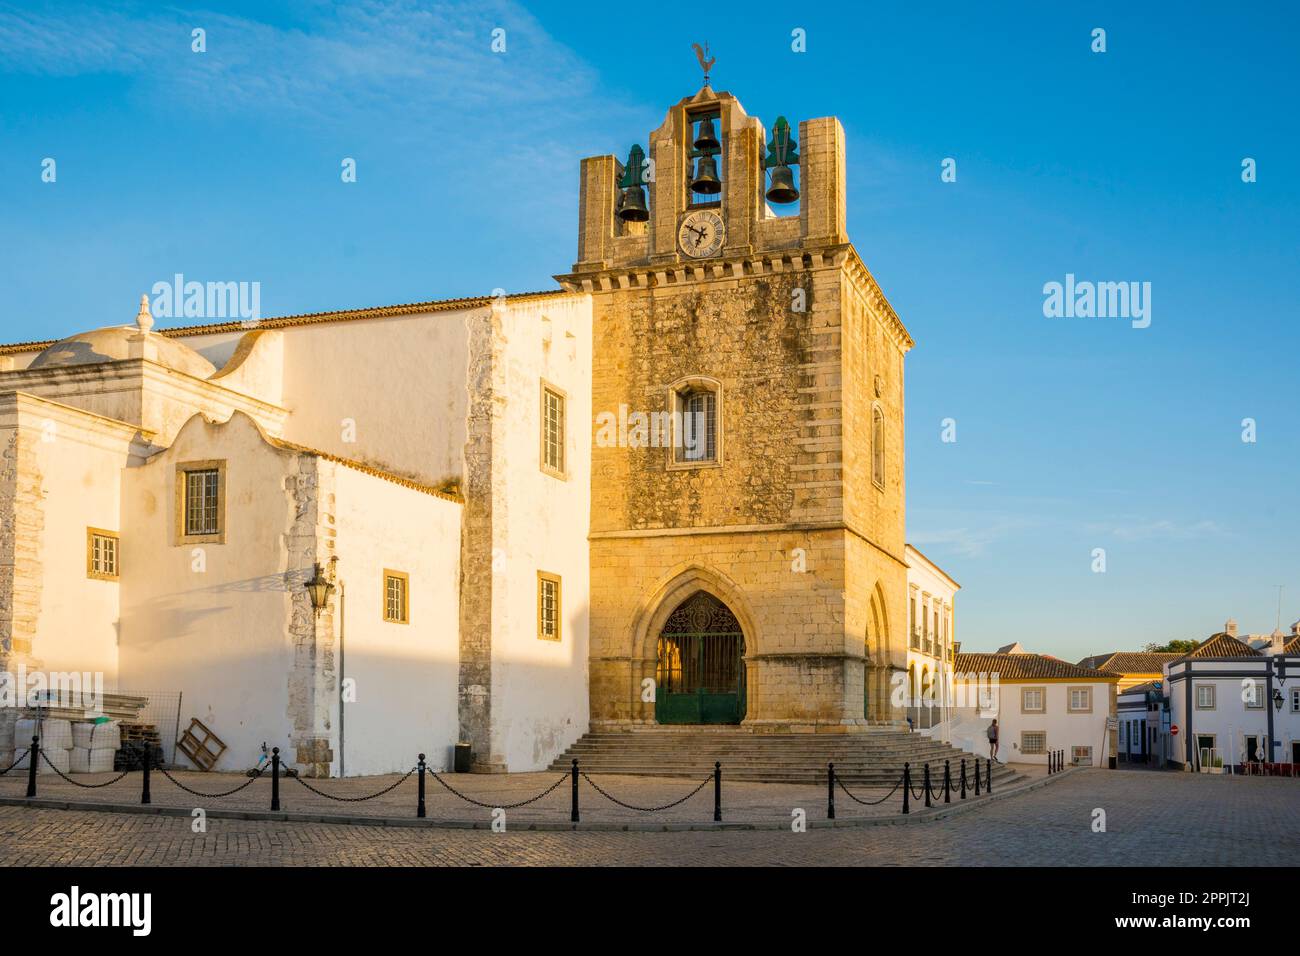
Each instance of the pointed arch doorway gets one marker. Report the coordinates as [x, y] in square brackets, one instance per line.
[700, 672]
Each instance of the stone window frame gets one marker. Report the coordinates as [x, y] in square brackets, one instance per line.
[543, 579]
[391, 575]
[1196, 696]
[878, 475]
[562, 472]
[1075, 760]
[1069, 699]
[1040, 749]
[679, 390]
[91, 571]
[1042, 696]
[183, 469]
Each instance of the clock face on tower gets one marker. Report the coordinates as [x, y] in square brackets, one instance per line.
[701, 234]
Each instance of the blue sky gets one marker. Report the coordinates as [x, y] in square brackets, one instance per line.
[1072, 433]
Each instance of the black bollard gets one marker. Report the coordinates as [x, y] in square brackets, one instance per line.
[927, 784]
[275, 778]
[830, 791]
[33, 755]
[145, 796]
[977, 776]
[947, 781]
[963, 778]
[573, 813]
[988, 782]
[717, 791]
[907, 788]
[419, 806]
[1051, 757]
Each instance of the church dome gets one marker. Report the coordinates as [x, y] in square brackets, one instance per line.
[113, 344]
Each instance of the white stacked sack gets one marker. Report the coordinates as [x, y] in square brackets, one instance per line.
[56, 741]
[94, 746]
[86, 760]
[92, 736]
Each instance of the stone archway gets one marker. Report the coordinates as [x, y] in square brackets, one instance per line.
[700, 664]
[876, 670]
[652, 615]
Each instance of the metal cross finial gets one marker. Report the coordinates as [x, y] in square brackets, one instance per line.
[706, 61]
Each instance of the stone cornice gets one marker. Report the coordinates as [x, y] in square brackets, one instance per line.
[866, 282]
[608, 278]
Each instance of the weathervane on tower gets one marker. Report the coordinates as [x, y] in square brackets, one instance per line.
[706, 61]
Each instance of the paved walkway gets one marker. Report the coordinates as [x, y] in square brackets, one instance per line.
[743, 802]
[1168, 819]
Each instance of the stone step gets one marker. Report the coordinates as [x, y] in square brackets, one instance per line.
[872, 759]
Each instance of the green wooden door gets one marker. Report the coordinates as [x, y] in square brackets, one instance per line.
[701, 668]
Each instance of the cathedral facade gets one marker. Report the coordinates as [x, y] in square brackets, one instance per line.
[669, 492]
[792, 515]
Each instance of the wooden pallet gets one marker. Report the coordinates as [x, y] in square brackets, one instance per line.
[201, 745]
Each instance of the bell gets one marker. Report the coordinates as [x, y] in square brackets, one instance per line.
[706, 176]
[633, 207]
[707, 140]
[782, 189]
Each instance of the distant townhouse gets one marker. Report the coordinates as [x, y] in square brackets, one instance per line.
[1041, 704]
[1133, 667]
[1234, 704]
[1144, 723]
[931, 646]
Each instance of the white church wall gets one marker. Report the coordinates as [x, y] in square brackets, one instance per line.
[540, 702]
[79, 460]
[389, 391]
[404, 675]
[211, 621]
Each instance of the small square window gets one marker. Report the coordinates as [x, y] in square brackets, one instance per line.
[1032, 700]
[397, 606]
[1033, 742]
[200, 502]
[101, 554]
[1081, 756]
[548, 606]
[1252, 693]
[1080, 700]
[695, 415]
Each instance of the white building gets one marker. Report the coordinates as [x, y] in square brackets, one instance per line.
[1232, 702]
[1041, 704]
[931, 629]
[165, 499]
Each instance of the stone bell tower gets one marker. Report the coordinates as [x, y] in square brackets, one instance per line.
[747, 493]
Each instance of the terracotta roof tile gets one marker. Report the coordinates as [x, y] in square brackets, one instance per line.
[1131, 662]
[1020, 667]
[1222, 645]
[368, 469]
[313, 318]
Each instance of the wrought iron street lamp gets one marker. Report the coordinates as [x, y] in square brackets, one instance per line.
[319, 589]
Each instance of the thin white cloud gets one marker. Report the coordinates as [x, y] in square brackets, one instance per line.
[407, 58]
